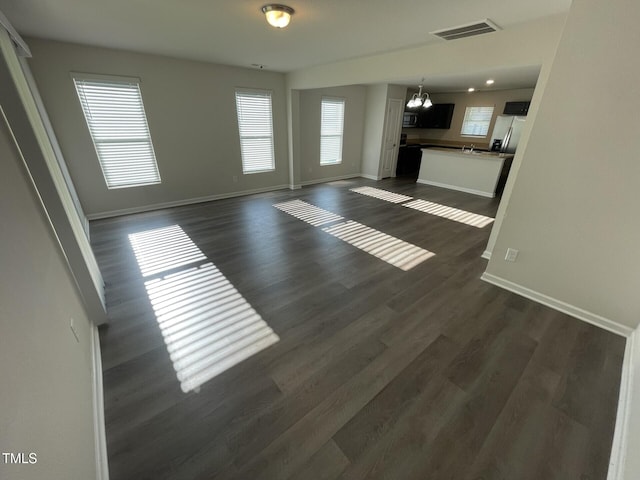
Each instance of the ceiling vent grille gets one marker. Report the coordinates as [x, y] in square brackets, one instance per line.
[468, 30]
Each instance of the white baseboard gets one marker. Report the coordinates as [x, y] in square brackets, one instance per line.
[456, 187]
[330, 179]
[370, 177]
[486, 254]
[621, 433]
[179, 203]
[100, 437]
[559, 305]
[295, 187]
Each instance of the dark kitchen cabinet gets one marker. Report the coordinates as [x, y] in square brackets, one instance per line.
[516, 108]
[409, 159]
[438, 116]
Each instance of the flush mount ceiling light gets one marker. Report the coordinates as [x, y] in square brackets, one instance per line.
[420, 99]
[278, 15]
[490, 82]
[471, 89]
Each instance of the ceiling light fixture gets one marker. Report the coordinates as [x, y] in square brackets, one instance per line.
[471, 89]
[420, 99]
[490, 82]
[278, 15]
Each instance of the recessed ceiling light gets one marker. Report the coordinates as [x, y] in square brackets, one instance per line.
[471, 89]
[490, 82]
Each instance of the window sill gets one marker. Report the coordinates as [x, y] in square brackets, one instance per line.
[259, 171]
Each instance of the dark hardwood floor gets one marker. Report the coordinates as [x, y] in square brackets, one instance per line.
[382, 373]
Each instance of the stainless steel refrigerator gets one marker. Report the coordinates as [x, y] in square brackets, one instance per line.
[506, 133]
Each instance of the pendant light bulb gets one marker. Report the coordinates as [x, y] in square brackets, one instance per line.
[420, 99]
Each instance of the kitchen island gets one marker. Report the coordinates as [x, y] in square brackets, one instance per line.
[477, 172]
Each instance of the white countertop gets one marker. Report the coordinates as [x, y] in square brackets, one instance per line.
[459, 152]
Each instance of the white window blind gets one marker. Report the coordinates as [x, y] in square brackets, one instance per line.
[255, 125]
[331, 129]
[476, 121]
[115, 116]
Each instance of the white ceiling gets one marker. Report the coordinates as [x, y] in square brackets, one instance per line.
[234, 32]
[505, 79]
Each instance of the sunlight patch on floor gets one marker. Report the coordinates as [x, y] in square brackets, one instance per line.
[392, 250]
[163, 249]
[381, 194]
[450, 213]
[307, 212]
[207, 325]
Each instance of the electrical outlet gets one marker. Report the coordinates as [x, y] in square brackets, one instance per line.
[235, 178]
[511, 255]
[73, 329]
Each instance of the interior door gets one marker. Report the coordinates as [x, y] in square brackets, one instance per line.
[391, 137]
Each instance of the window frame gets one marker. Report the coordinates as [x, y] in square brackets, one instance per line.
[334, 100]
[239, 91]
[468, 112]
[109, 166]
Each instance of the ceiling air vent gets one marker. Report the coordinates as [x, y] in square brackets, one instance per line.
[468, 30]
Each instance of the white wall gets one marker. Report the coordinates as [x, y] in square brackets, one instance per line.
[191, 113]
[543, 77]
[524, 45]
[574, 206]
[374, 127]
[375, 117]
[462, 100]
[46, 393]
[309, 125]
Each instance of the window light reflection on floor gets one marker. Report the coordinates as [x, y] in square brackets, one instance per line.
[163, 249]
[382, 194]
[207, 325]
[308, 213]
[455, 214]
[392, 250]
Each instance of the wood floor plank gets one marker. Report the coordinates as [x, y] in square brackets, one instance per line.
[512, 448]
[587, 360]
[381, 413]
[377, 373]
[458, 443]
[327, 464]
[396, 450]
[292, 448]
[314, 354]
[252, 436]
[565, 448]
[166, 439]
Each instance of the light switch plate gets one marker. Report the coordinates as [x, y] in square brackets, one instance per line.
[511, 255]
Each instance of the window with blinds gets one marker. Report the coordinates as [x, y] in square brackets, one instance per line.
[331, 129]
[255, 126]
[476, 121]
[118, 126]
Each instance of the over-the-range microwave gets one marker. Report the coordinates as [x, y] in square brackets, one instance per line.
[410, 119]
